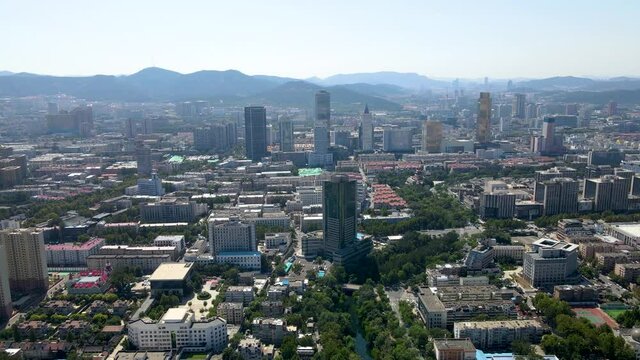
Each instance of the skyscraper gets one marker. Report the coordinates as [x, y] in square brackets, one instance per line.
[5, 292]
[483, 125]
[366, 130]
[130, 128]
[26, 259]
[339, 214]
[552, 142]
[147, 125]
[255, 130]
[322, 108]
[322, 122]
[612, 108]
[519, 106]
[143, 159]
[432, 136]
[286, 134]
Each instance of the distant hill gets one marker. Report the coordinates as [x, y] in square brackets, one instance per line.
[151, 84]
[557, 83]
[5, 73]
[300, 94]
[627, 97]
[405, 80]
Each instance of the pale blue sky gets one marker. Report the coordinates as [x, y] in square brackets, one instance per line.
[303, 38]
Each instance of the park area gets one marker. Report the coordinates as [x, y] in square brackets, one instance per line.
[596, 316]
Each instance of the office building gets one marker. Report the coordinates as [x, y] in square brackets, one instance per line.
[320, 139]
[552, 143]
[365, 131]
[130, 128]
[340, 221]
[5, 293]
[322, 109]
[443, 306]
[231, 235]
[432, 136]
[605, 157]
[179, 330]
[143, 160]
[550, 263]
[150, 187]
[612, 108]
[286, 134]
[497, 205]
[610, 192]
[558, 196]
[488, 335]
[483, 123]
[397, 139]
[255, 132]
[26, 259]
[519, 105]
[171, 210]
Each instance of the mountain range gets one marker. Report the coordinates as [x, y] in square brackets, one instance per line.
[381, 90]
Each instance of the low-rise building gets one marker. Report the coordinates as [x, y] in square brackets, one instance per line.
[239, 294]
[607, 261]
[170, 240]
[72, 255]
[442, 307]
[178, 330]
[73, 327]
[499, 334]
[272, 308]
[146, 263]
[576, 294]
[250, 349]
[232, 312]
[629, 272]
[248, 260]
[170, 278]
[271, 330]
[454, 349]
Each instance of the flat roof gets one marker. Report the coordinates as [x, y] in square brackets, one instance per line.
[74, 246]
[632, 230]
[174, 315]
[171, 271]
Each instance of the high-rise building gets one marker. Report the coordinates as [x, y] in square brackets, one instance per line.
[255, 130]
[218, 137]
[501, 205]
[397, 139]
[519, 106]
[5, 292]
[26, 259]
[549, 143]
[320, 140]
[52, 108]
[483, 124]
[339, 221]
[143, 160]
[571, 109]
[130, 130]
[612, 108]
[147, 125]
[322, 109]
[78, 121]
[558, 195]
[366, 130]
[432, 136]
[286, 134]
[531, 111]
[610, 192]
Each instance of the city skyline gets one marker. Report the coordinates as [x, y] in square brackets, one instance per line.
[433, 39]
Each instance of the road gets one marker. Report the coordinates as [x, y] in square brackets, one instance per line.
[616, 289]
[144, 307]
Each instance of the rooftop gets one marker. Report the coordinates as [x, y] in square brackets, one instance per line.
[73, 246]
[171, 271]
[630, 229]
[175, 315]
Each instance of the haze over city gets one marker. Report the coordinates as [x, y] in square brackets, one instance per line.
[301, 39]
[304, 180]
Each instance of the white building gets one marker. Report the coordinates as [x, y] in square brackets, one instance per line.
[249, 260]
[170, 240]
[150, 187]
[179, 326]
[499, 334]
[231, 235]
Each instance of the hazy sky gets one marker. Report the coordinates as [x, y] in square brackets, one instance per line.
[300, 38]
